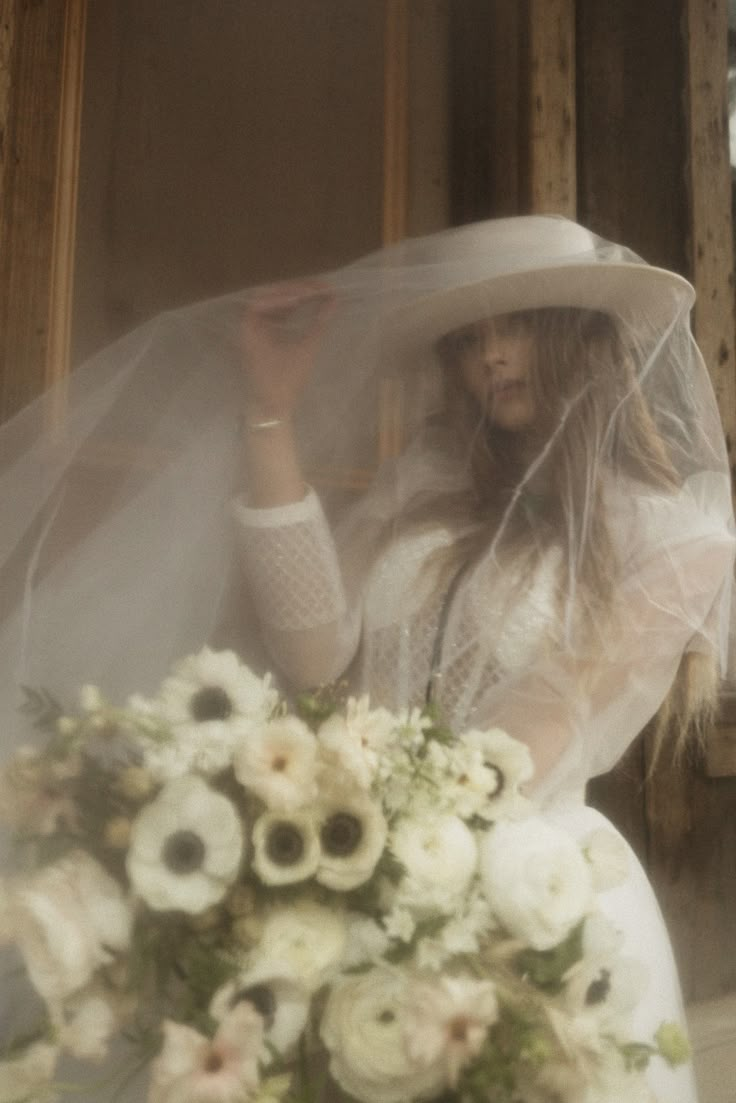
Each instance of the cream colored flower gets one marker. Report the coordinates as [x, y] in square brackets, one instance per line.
[280, 999]
[536, 879]
[308, 938]
[363, 1028]
[194, 1069]
[605, 984]
[209, 704]
[285, 847]
[90, 1022]
[186, 847]
[501, 766]
[28, 1076]
[352, 835]
[353, 743]
[609, 858]
[278, 762]
[440, 856]
[447, 1021]
[67, 919]
[367, 941]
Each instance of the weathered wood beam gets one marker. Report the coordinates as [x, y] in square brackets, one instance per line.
[551, 178]
[38, 58]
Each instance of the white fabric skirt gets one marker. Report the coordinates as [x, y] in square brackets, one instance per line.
[633, 909]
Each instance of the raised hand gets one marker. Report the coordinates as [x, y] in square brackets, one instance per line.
[282, 332]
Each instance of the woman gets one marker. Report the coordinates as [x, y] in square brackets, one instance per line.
[549, 550]
[549, 554]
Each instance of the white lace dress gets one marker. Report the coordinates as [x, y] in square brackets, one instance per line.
[320, 615]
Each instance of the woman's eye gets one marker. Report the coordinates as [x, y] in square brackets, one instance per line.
[467, 340]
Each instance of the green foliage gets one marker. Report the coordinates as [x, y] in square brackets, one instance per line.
[516, 1042]
[42, 708]
[547, 968]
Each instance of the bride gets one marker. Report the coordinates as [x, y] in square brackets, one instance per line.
[549, 552]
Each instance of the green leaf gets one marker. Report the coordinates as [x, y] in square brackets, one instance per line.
[546, 968]
[41, 707]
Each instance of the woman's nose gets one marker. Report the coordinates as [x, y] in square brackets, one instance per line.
[493, 351]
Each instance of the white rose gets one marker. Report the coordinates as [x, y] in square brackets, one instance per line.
[440, 856]
[306, 938]
[67, 920]
[536, 879]
[363, 1028]
[186, 847]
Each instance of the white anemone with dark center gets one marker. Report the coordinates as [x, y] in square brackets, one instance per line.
[285, 847]
[278, 996]
[352, 835]
[209, 705]
[186, 847]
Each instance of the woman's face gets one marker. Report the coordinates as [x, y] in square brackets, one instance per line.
[495, 359]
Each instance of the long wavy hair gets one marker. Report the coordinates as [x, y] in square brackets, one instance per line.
[542, 486]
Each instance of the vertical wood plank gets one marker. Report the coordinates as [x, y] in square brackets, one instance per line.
[33, 46]
[630, 76]
[630, 126]
[709, 189]
[692, 816]
[487, 135]
[551, 146]
[428, 112]
[396, 121]
[65, 205]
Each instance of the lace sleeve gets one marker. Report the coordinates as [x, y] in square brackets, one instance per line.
[292, 569]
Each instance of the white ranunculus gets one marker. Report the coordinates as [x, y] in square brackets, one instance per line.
[308, 938]
[209, 704]
[285, 847]
[194, 1069]
[68, 919]
[609, 858]
[501, 766]
[278, 762]
[354, 741]
[186, 847]
[27, 1075]
[440, 856]
[352, 834]
[277, 995]
[447, 1021]
[536, 879]
[363, 1028]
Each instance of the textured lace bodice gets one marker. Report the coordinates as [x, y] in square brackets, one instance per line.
[505, 658]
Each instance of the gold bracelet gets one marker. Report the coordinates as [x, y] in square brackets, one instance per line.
[270, 423]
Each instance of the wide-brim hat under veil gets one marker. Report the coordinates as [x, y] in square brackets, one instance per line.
[531, 263]
[117, 543]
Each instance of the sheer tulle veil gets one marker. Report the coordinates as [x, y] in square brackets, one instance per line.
[117, 551]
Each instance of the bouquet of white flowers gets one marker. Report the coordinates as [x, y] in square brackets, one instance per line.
[259, 898]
